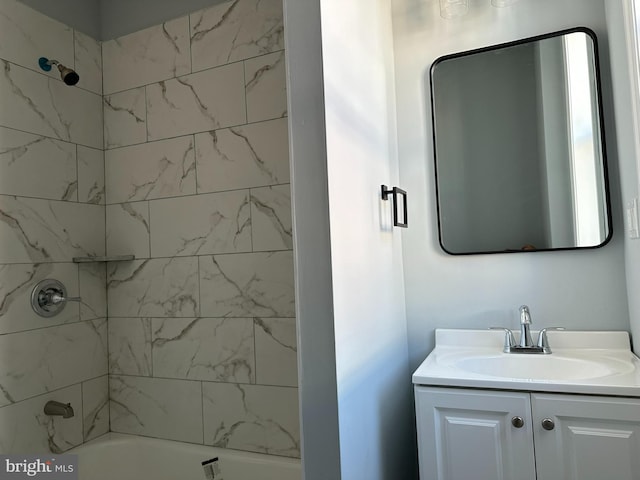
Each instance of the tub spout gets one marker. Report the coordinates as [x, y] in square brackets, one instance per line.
[64, 410]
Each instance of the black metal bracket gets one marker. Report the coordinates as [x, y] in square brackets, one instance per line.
[395, 191]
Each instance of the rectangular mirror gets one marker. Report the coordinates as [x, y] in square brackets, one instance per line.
[519, 146]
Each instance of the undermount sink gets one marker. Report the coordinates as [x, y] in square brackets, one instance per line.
[580, 362]
[544, 367]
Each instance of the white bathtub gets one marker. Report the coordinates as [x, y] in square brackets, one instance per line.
[130, 457]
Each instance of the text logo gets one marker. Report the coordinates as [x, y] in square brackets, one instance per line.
[49, 467]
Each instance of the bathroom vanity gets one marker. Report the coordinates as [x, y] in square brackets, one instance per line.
[573, 414]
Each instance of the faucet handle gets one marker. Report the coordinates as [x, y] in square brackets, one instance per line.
[508, 338]
[543, 341]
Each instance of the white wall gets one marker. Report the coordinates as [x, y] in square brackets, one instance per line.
[628, 139]
[374, 391]
[575, 289]
[320, 443]
[354, 308]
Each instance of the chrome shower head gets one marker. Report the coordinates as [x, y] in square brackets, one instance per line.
[69, 76]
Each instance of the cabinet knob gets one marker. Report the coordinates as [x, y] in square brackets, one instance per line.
[517, 422]
[548, 424]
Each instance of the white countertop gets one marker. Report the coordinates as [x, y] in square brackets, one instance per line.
[441, 367]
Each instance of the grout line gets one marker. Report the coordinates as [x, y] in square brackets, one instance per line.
[199, 290]
[250, 194]
[42, 135]
[54, 199]
[49, 392]
[207, 69]
[217, 382]
[83, 412]
[190, 43]
[244, 89]
[78, 177]
[201, 194]
[202, 408]
[149, 224]
[146, 116]
[199, 132]
[51, 77]
[64, 324]
[198, 317]
[166, 257]
[195, 163]
[79, 292]
[151, 349]
[255, 352]
[73, 40]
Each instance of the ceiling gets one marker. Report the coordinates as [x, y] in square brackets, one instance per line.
[107, 19]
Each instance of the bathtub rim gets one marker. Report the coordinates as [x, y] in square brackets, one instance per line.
[115, 438]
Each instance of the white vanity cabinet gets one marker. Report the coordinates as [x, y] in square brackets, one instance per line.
[469, 435]
[593, 438]
[474, 434]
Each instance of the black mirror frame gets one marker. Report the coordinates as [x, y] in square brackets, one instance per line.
[605, 170]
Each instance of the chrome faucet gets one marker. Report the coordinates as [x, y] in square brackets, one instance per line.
[526, 344]
[525, 326]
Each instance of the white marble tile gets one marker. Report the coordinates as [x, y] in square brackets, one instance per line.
[34, 230]
[95, 407]
[16, 283]
[23, 158]
[163, 287]
[201, 224]
[130, 346]
[26, 35]
[147, 56]
[276, 351]
[271, 218]
[88, 61]
[196, 103]
[90, 175]
[235, 30]
[151, 170]
[256, 418]
[44, 106]
[93, 290]
[247, 284]
[215, 349]
[128, 229]
[156, 407]
[253, 155]
[39, 361]
[125, 118]
[266, 87]
[24, 428]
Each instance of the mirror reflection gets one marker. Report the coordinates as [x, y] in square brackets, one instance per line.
[519, 147]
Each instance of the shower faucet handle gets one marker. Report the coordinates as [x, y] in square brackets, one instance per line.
[49, 297]
[54, 297]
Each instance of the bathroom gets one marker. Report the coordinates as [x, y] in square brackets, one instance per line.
[358, 117]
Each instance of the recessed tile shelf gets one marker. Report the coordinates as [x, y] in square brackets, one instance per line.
[111, 258]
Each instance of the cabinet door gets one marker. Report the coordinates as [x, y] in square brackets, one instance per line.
[592, 438]
[469, 435]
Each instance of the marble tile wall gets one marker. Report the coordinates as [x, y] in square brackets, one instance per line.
[51, 209]
[202, 341]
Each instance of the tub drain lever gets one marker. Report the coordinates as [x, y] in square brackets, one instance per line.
[212, 469]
